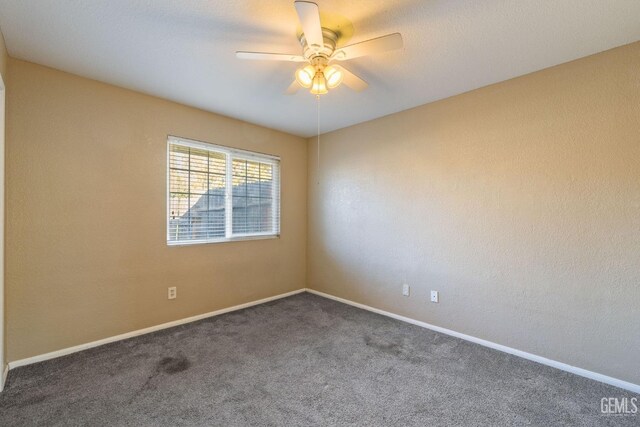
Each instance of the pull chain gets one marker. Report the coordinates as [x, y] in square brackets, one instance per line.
[318, 143]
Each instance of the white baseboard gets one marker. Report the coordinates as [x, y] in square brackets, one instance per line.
[543, 360]
[75, 349]
[5, 372]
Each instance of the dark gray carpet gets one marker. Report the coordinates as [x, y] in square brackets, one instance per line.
[303, 360]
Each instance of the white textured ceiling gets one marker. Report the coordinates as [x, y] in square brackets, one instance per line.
[184, 50]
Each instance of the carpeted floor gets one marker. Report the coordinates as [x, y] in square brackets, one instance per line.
[300, 361]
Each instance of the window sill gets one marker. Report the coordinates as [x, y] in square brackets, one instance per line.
[225, 240]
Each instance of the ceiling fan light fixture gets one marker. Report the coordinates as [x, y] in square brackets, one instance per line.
[333, 76]
[319, 86]
[320, 48]
[305, 76]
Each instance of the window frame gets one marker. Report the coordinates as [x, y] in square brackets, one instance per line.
[230, 155]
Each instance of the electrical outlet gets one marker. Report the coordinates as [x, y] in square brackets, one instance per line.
[172, 292]
[435, 296]
[405, 290]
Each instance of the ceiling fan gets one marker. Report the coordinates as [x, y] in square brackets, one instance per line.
[320, 52]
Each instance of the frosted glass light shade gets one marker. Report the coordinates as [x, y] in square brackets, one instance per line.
[333, 75]
[319, 86]
[305, 75]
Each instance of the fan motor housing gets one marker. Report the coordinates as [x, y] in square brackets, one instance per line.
[330, 38]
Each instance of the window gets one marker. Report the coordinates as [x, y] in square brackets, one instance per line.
[219, 194]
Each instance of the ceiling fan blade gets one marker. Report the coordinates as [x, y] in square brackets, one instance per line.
[309, 16]
[369, 47]
[266, 56]
[293, 88]
[353, 81]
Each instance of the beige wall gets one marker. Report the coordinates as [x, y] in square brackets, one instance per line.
[86, 197]
[519, 202]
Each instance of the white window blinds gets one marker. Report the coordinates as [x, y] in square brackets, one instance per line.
[218, 194]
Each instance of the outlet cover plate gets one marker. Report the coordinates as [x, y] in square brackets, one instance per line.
[435, 296]
[405, 289]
